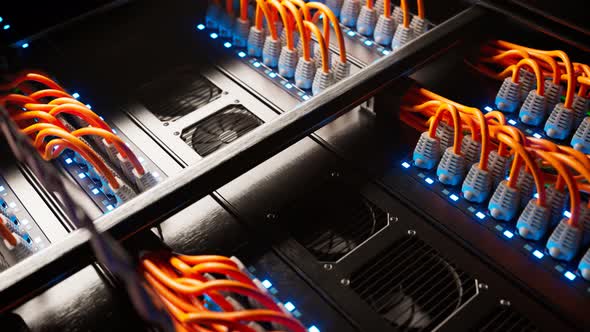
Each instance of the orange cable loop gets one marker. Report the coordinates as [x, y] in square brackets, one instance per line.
[31, 77]
[285, 19]
[535, 67]
[322, 44]
[30, 115]
[456, 124]
[49, 93]
[262, 12]
[335, 25]
[300, 27]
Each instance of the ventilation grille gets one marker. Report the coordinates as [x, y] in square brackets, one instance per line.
[505, 319]
[175, 95]
[412, 286]
[334, 220]
[220, 129]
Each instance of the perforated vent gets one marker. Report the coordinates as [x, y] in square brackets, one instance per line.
[220, 129]
[505, 319]
[333, 220]
[412, 286]
[175, 95]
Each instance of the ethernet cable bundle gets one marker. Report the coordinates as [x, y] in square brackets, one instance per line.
[482, 147]
[58, 123]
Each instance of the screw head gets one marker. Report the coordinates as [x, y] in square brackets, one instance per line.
[328, 267]
[176, 133]
[391, 218]
[345, 282]
[236, 101]
[225, 92]
[482, 286]
[505, 303]
[411, 232]
[271, 216]
[166, 124]
[334, 174]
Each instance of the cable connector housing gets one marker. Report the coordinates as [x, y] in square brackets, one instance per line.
[322, 81]
[556, 203]
[350, 12]
[304, 73]
[477, 185]
[560, 122]
[451, 168]
[581, 139]
[419, 26]
[271, 52]
[384, 30]
[564, 242]
[533, 109]
[533, 221]
[497, 166]
[508, 97]
[470, 149]
[427, 151]
[401, 37]
[367, 19]
[288, 62]
[341, 70]
[504, 202]
[584, 266]
[255, 42]
[241, 30]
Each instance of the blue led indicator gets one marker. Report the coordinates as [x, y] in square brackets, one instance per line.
[288, 85]
[508, 234]
[289, 306]
[95, 191]
[76, 95]
[536, 195]
[90, 107]
[2, 188]
[266, 284]
[368, 42]
[480, 215]
[6, 27]
[538, 254]
[81, 175]
[537, 135]
[313, 329]
[512, 122]
[242, 54]
[570, 275]
[156, 174]
[68, 161]
[25, 45]
[454, 197]
[256, 64]
[351, 33]
[110, 207]
[488, 109]
[272, 74]
[1, 19]
[305, 97]
[213, 35]
[227, 44]
[406, 164]
[385, 52]
[429, 180]
[201, 27]
[567, 214]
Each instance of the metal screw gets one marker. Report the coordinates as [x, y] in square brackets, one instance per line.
[328, 267]
[345, 282]
[505, 303]
[176, 133]
[483, 286]
[271, 216]
[393, 218]
[236, 101]
[166, 124]
[225, 92]
[334, 174]
[411, 232]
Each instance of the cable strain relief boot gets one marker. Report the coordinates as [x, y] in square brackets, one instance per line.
[398, 15]
[124, 193]
[335, 6]
[300, 47]
[379, 6]
[533, 109]
[288, 62]
[418, 25]
[477, 184]
[305, 73]
[322, 81]
[271, 52]
[145, 181]
[555, 200]
[212, 16]
[533, 221]
[526, 185]
[497, 166]
[470, 149]
[226, 25]
[366, 21]
[350, 12]
[110, 149]
[584, 266]
[560, 122]
[240, 35]
[317, 57]
[255, 41]
[581, 139]
[580, 107]
[295, 39]
[384, 30]
[508, 97]
[401, 37]
[504, 202]
[341, 70]
[126, 166]
[451, 168]
[528, 82]
[552, 94]
[445, 134]
[427, 151]
[585, 221]
[564, 242]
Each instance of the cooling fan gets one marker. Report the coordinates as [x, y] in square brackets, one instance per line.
[220, 129]
[335, 221]
[412, 287]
